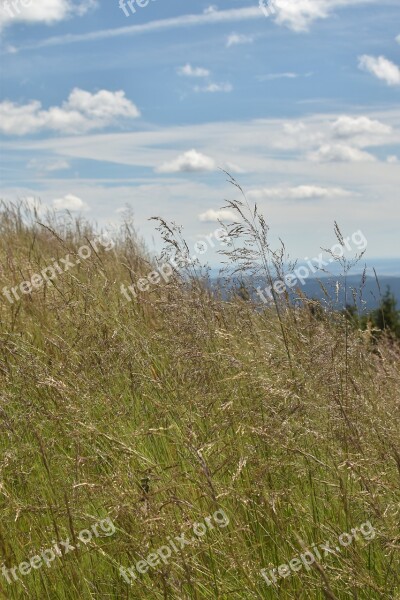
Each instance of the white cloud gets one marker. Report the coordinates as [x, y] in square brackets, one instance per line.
[214, 216]
[70, 202]
[340, 153]
[392, 159]
[381, 67]
[189, 162]
[103, 105]
[346, 126]
[189, 71]
[299, 15]
[398, 39]
[301, 192]
[238, 38]
[213, 88]
[45, 11]
[272, 76]
[82, 112]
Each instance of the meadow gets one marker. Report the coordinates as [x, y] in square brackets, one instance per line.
[151, 415]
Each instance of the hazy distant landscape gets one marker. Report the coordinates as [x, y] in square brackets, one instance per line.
[369, 299]
[368, 289]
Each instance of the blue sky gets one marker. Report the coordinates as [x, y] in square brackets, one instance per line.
[100, 110]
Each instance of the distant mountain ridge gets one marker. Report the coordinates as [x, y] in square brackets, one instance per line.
[367, 295]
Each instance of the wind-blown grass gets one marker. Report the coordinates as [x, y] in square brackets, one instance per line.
[296, 437]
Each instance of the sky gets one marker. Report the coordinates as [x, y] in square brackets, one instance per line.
[105, 105]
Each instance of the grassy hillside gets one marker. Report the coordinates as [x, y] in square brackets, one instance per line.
[147, 417]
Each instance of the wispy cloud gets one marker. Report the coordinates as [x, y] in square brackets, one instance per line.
[49, 166]
[213, 88]
[189, 71]
[301, 192]
[381, 67]
[272, 76]
[182, 21]
[297, 16]
[234, 39]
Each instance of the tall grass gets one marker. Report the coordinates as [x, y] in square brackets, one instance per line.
[159, 411]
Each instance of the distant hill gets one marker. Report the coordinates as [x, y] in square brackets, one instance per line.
[369, 297]
[387, 272]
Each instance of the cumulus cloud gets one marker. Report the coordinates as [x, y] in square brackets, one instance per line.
[45, 11]
[381, 67]
[301, 14]
[238, 38]
[70, 202]
[346, 127]
[213, 88]
[340, 153]
[214, 216]
[82, 112]
[189, 162]
[189, 71]
[301, 192]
